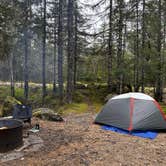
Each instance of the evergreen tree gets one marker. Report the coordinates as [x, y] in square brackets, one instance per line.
[60, 49]
[110, 43]
[44, 52]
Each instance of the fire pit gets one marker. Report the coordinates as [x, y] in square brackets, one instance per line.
[10, 134]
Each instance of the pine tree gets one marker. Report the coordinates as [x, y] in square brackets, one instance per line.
[75, 42]
[143, 47]
[60, 49]
[119, 46]
[137, 58]
[70, 52]
[55, 48]
[44, 52]
[158, 92]
[110, 51]
[26, 46]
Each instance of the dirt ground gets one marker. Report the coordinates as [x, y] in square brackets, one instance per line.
[79, 142]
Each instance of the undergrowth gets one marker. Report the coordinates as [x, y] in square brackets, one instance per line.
[90, 98]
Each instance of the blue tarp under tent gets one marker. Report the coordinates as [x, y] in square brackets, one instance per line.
[143, 134]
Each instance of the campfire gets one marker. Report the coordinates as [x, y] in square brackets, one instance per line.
[11, 135]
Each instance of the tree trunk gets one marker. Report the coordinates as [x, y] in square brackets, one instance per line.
[136, 88]
[143, 48]
[124, 50]
[70, 53]
[60, 49]
[27, 45]
[75, 44]
[44, 53]
[119, 47]
[110, 50]
[158, 93]
[55, 52]
[26, 63]
[12, 86]
[164, 43]
[11, 64]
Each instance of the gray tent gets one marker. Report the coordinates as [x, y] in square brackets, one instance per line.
[132, 111]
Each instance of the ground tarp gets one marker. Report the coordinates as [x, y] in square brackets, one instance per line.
[143, 134]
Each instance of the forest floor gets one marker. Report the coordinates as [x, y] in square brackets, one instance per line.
[77, 141]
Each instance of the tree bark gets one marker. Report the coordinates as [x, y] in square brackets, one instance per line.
[44, 53]
[27, 48]
[158, 93]
[26, 87]
[55, 52]
[12, 86]
[136, 88]
[75, 43]
[119, 47]
[143, 47]
[11, 64]
[124, 50]
[164, 43]
[60, 49]
[70, 53]
[110, 50]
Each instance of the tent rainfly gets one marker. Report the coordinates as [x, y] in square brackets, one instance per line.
[132, 111]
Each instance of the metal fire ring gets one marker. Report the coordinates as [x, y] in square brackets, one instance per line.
[11, 134]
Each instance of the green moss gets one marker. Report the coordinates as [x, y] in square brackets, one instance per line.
[8, 104]
[46, 114]
[74, 108]
[12, 100]
[37, 114]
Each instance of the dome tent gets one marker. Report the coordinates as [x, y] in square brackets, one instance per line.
[132, 111]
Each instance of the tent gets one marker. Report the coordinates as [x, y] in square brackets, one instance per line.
[132, 111]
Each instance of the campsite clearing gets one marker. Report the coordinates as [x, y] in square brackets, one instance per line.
[78, 141]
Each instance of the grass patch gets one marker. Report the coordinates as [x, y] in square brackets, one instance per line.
[4, 92]
[77, 108]
[19, 93]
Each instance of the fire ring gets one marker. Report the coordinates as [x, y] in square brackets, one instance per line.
[11, 134]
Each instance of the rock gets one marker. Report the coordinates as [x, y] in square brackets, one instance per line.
[31, 144]
[42, 110]
[162, 144]
[47, 114]
[8, 105]
[55, 117]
